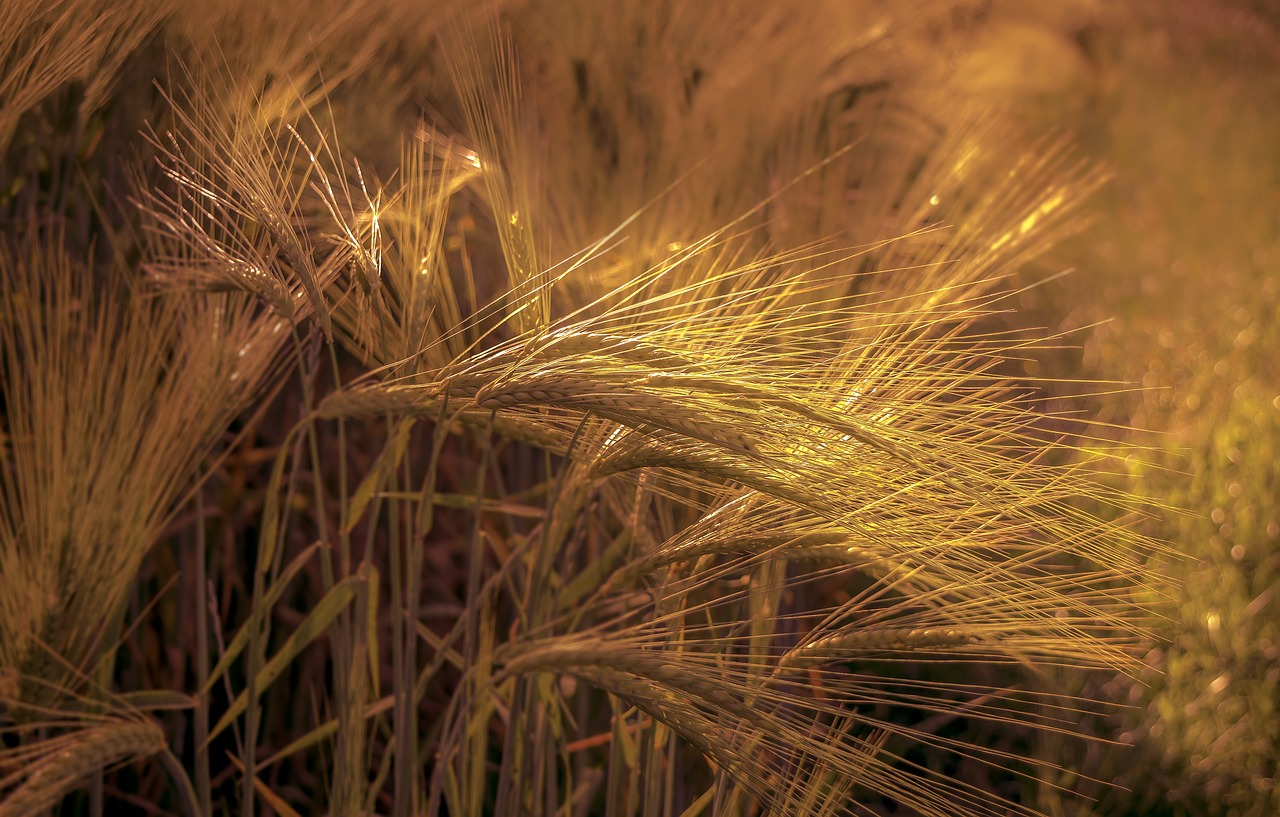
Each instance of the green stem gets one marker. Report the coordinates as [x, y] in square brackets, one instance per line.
[204, 786]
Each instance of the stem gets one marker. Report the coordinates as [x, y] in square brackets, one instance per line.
[190, 800]
[474, 758]
[402, 807]
[260, 634]
[204, 786]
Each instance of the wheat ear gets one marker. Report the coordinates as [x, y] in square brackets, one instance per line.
[90, 750]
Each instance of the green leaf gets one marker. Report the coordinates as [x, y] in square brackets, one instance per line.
[271, 510]
[272, 596]
[312, 627]
[386, 463]
[157, 699]
[372, 587]
[624, 738]
[264, 791]
[590, 579]
[324, 731]
[700, 805]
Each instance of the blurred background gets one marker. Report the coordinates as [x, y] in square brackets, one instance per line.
[1179, 279]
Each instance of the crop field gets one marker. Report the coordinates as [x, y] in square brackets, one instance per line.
[640, 408]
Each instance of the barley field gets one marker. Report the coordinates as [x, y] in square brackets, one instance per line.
[639, 408]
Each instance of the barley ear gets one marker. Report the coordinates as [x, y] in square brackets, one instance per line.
[76, 756]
